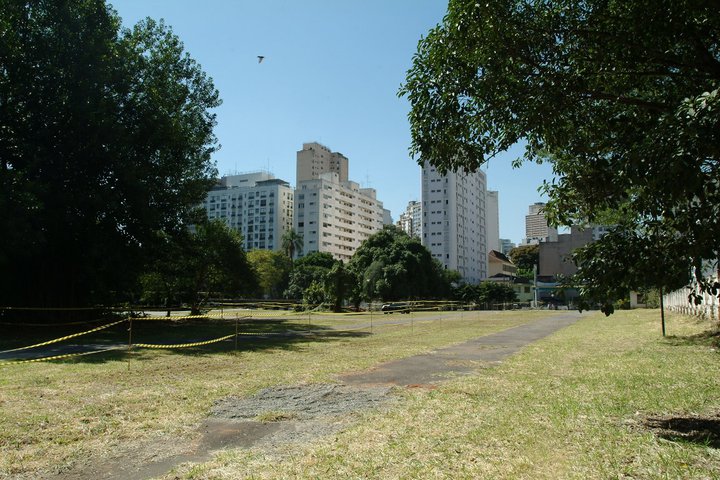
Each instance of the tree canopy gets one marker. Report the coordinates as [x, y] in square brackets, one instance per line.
[105, 143]
[339, 284]
[623, 98]
[394, 266]
[525, 256]
[486, 293]
[192, 266]
[310, 270]
[291, 242]
[272, 270]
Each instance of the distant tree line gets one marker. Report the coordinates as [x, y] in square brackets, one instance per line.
[388, 266]
[106, 136]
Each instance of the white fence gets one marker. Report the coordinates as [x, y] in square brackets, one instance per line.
[677, 301]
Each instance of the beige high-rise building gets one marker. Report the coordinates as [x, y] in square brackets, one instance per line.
[333, 214]
[492, 221]
[315, 159]
[536, 226]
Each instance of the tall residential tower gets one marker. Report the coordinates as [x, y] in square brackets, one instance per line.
[492, 219]
[453, 209]
[315, 159]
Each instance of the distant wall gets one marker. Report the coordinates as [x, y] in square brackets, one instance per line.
[556, 257]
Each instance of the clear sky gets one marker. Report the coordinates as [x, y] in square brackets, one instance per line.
[331, 73]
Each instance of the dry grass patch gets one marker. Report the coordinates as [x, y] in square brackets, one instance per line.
[57, 416]
[568, 406]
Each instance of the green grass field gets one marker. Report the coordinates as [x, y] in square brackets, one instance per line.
[56, 415]
[574, 405]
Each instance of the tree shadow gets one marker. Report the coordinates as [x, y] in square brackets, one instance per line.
[700, 430]
[111, 344]
[708, 338]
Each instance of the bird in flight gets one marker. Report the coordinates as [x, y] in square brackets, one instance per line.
[260, 58]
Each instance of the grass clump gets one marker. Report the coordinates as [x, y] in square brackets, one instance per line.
[272, 417]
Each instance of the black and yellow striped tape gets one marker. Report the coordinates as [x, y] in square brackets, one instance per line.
[183, 345]
[67, 337]
[58, 357]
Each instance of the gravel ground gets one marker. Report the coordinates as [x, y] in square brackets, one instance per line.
[302, 402]
[290, 414]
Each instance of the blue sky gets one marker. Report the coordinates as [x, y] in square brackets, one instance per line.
[331, 73]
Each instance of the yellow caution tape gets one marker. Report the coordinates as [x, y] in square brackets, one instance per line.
[348, 329]
[263, 314]
[344, 314]
[67, 337]
[183, 317]
[277, 314]
[58, 357]
[183, 345]
[64, 324]
[53, 309]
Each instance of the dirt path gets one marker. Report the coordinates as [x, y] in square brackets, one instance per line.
[295, 414]
[460, 359]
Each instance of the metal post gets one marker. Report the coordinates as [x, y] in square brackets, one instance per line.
[535, 289]
[129, 342]
[662, 311]
[371, 317]
[236, 330]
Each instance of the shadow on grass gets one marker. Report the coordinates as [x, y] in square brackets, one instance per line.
[255, 334]
[708, 338]
[700, 430]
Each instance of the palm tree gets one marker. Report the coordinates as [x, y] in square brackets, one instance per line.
[292, 242]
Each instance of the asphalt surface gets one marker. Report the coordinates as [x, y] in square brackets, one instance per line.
[463, 358]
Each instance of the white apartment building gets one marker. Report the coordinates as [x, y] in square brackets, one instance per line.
[536, 226]
[453, 227]
[492, 221]
[335, 216]
[257, 205]
[506, 245]
[411, 219]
